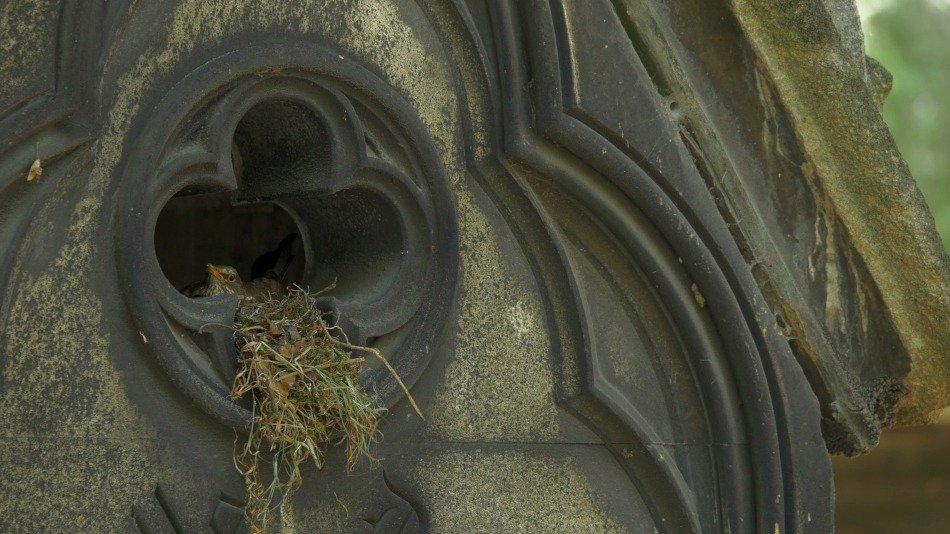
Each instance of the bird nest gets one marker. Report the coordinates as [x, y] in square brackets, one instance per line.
[302, 375]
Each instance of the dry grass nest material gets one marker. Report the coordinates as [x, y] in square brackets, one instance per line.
[303, 376]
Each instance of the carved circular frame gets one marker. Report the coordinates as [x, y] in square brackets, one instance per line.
[359, 149]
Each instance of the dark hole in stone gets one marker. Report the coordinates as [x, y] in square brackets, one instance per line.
[194, 230]
[277, 144]
[280, 155]
[357, 242]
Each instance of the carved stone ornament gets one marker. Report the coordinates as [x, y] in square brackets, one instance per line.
[559, 220]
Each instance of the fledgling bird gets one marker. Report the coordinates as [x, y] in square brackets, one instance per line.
[225, 280]
[265, 266]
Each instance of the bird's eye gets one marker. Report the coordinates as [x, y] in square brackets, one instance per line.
[230, 278]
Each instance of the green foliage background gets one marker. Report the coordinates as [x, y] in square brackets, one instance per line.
[911, 38]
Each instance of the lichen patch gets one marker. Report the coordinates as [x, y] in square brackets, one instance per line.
[510, 491]
[499, 385]
[64, 404]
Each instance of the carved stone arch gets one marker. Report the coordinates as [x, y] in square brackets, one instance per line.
[668, 227]
[562, 294]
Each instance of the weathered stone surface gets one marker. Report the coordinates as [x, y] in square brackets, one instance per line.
[813, 54]
[590, 236]
[747, 147]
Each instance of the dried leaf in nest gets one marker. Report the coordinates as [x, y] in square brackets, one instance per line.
[306, 393]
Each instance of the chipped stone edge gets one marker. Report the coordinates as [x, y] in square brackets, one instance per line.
[813, 51]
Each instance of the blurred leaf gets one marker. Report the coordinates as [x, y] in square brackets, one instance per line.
[910, 38]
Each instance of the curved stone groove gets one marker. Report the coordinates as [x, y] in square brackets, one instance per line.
[631, 441]
[755, 382]
[550, 166]
[384, 311]
[161, 308]
[612, 286]
[61, 98]
[712, 375]
[314, 130]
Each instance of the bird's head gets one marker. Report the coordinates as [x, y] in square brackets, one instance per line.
[224, 279]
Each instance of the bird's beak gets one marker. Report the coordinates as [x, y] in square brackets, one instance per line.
[213, 271]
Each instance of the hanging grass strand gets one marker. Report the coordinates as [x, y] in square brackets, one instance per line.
[306, 395]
